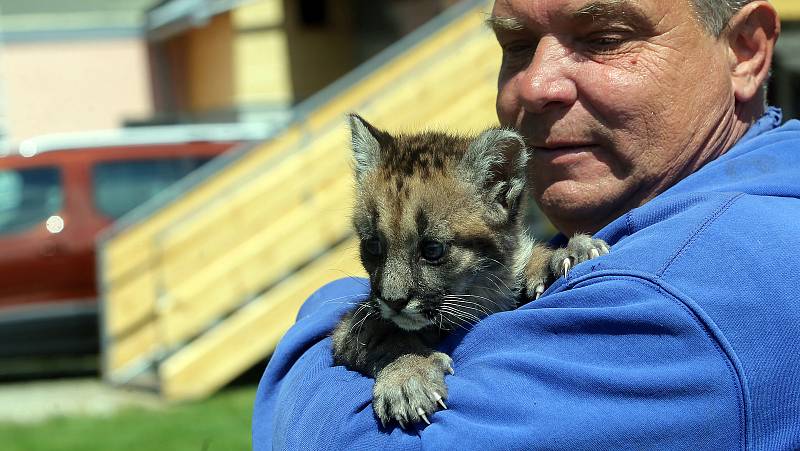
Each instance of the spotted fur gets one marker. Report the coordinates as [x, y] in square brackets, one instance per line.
[420, 196]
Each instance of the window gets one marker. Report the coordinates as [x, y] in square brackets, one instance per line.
[121, 186]
[28, 197]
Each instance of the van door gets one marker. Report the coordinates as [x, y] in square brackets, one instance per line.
[31, 240]
[119, 186]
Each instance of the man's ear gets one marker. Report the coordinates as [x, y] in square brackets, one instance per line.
[751, 37]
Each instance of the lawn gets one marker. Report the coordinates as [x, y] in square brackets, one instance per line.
[219, 423]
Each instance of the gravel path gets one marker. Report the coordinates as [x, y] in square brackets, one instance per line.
[30, 402]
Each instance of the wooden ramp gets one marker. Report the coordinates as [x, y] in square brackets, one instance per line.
[204, 288]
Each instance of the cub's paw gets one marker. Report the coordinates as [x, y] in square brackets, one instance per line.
[579, 249]
[537, 271]
[411, 388]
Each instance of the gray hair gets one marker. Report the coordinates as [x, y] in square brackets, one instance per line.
[715, 14]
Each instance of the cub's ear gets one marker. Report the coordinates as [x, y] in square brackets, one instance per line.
[496, 161]
[366, 143]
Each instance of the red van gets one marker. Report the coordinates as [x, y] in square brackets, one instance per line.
[56, 194]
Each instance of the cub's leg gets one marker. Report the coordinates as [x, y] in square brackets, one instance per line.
[546, 265]
[537, 271]
[410, 387]
[408, 373]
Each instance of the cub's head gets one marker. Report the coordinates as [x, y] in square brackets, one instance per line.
[439, 220]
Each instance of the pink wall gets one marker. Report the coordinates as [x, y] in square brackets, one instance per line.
[73, 86]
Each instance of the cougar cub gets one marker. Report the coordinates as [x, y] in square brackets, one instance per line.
[439, 217]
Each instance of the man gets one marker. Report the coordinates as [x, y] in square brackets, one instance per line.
[649, 129]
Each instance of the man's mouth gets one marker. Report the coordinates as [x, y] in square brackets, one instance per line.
[564, 146]
[564, 154]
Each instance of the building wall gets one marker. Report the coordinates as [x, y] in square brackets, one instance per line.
[235, 63]
[261, 55]
[52, 87]
[259, 59]
[211, 65]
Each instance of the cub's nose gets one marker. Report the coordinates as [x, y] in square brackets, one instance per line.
[396, 304]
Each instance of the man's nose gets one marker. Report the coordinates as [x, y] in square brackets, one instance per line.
[545, 83]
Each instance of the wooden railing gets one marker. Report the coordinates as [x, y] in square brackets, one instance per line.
[205, 287]
[789, 10]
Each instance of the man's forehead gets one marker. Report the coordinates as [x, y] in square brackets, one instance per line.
[514, 15]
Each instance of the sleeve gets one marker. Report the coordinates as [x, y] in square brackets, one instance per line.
[609, 361]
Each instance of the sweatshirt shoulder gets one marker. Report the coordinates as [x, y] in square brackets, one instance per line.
[701, 230]
[652, 238]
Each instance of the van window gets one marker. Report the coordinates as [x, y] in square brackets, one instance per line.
[28, 197]
[121, 186]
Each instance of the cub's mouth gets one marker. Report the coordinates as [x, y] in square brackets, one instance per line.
[410, 317]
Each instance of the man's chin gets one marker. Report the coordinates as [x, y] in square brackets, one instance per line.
[577, 207]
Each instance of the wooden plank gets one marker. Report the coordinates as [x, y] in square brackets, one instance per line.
[437, 103]
[272, 213]
[257, 262]
[129, 304]
[788, 9]
[473, 111]
[383, 77]
[250, 334]
[257, 207]
[125, 352]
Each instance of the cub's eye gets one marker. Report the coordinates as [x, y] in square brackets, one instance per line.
[373, 246]
[433, 251]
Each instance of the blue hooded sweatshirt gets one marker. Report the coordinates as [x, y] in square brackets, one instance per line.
[685, 336]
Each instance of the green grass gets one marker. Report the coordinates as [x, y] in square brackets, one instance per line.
[220, 423]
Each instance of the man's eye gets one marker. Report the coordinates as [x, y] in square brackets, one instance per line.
[605, 43]
[518, 50]
[373, 246]
[433, 251]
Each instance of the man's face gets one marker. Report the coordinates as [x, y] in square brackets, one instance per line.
[617, 97]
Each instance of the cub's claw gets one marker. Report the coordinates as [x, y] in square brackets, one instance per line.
[438, 398]
[422, 414]
[538, 291]
[579, 249]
